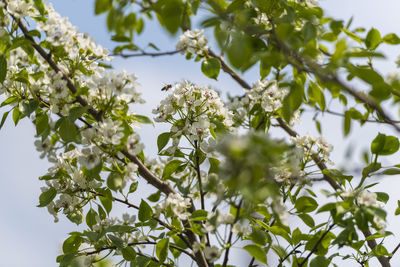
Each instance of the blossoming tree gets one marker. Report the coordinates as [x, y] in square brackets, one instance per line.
[220, 182]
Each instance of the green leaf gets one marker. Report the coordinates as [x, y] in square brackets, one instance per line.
[107, 200]
[128, 253]
[46, 197]
[199, 215]
[373, 167]
[309, 32]
[373, 39]
[385, 145]
[3, 119]
[391, 39]
[91, 218]
[77, 112]
[319, 261]
[42, 123]
[307, 219]
[17, 115]
[116, 241]
[133, 187]
[145, 211]
[397, 212]
[211, 67]
[391, 171]
[10, 100]
[170, 168]
[347, 123]
[66, 259]
[118, 229]
[380, 250]
[142, 119]
[382, 197]
[67, 130]
[306, 204]
[352, 35]
[115, 180]
[171, 14]
[239, 50]
[257, 252]
[102, 6]
[40, 6]
[162, 249]
[29, 106]
[72, 243]
[162, 140]
[3, 68]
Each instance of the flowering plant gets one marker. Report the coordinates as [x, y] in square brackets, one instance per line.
[221, 180]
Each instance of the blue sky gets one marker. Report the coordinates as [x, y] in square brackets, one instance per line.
[29, 236]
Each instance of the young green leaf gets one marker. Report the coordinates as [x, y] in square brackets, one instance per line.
[162, 249]
[46, 197]
[211, 67]
[257, 252]
[145, 211]
[373, 39]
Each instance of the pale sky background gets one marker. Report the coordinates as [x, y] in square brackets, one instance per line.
[28, 235]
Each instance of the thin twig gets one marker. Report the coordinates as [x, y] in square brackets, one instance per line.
[226, 258]
[144, 54]
[282, 260]
[137, 244]
[316, 245]
[394, 251]
[342, 115]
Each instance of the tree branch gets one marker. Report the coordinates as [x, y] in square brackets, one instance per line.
[394, 251]
[144, 172]
[226, 68]
[226, 258]
[144, 54]
[282, 260]
[136, 244]
[316, 245]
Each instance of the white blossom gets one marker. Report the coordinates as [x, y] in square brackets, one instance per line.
[193, 42]
[90, 157]
[178, 204]
[212, 253]
[367, 198]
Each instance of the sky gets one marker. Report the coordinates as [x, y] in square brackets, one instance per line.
[29, 237]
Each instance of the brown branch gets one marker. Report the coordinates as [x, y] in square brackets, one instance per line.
[309, 66]
[143, 54]
[315, 157]
[144, 172]
[314, 249]
[251, 262]
[136, 244]
[197, 167]
[226, 258]
[394, 251]
[282, 260]
[226, 68]
[342, 115]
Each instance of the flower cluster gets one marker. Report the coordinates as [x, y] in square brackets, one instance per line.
[368, 198]
[268, 94]
[20, 8]
[193, 111]
[216, 219]
[308, 142]
[178, 204]
[193, 42]
[264, 99]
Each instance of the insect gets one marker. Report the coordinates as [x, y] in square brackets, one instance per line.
[166, 87]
